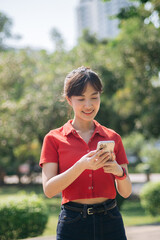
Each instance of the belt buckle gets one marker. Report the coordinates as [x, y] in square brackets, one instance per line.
[89, 211]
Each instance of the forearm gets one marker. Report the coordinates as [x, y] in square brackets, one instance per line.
[54, 183]
[59, 182]
[124, 187]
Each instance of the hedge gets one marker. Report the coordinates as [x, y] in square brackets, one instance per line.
[22, 217]
[150, 198]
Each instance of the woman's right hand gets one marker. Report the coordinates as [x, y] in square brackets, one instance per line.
[95, 159]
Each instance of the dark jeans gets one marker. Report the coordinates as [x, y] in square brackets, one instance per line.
[74, 225]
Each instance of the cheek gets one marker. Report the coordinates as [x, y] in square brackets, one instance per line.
[98, 103]
[76, 106]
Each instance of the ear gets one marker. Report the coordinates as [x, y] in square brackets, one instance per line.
[69, 101]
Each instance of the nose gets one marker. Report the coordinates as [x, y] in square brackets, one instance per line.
[88, 104]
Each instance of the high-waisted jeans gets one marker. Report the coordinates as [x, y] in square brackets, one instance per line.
[76, 225]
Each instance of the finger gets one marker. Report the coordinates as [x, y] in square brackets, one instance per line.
[108, 169]
[91, 153]
[113, 156]
[103, 154]
[110, 163]
[101, 163]
[102, 159]
[96, 155]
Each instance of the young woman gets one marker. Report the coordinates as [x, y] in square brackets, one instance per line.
[87, 177]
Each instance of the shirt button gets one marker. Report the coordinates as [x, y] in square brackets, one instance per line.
[90, 175]
[89, 188]
[87, 150]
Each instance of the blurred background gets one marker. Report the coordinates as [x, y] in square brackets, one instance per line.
[40, 42]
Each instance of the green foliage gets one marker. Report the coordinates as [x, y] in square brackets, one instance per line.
[133, 143]
[57, 39]
[5, 29]
[29, 90]
[22, 217]
[150, 155]
[133, 214]
[32, 83]
[144, 151]
[88, 37]
[150, 198]
[143, 168]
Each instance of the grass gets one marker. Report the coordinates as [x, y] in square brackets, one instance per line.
[134, 214]
[132, 211]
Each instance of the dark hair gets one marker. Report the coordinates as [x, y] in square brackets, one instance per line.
[77, 80]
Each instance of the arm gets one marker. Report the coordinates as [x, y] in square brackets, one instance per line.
[54, 183]
[124, 187]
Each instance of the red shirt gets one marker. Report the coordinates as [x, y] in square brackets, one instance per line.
[65, 147]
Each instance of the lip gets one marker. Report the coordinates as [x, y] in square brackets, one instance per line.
[88, 113]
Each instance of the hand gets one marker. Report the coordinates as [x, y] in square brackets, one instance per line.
[95, 159]
[112, 166]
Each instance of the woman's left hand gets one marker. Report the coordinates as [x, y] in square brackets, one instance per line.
[111, 166]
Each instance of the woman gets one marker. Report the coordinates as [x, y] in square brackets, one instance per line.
[87, 177]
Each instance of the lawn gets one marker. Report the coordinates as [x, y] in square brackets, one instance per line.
[132, 212]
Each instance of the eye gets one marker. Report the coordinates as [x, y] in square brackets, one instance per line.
[95, 98]
[81, 99]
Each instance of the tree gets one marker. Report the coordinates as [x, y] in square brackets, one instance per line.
[29, 90]
[57, 39]
[5, 30]
[135, 56]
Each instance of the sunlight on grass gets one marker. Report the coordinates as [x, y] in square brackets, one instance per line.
[51, 226]
[134, 214]
[140, 220]
[54, 209]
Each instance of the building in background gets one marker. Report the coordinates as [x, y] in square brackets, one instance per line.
[95, 15]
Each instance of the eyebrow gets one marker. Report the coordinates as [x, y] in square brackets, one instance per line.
[95, 93]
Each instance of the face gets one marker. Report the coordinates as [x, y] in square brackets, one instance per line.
[85, 106]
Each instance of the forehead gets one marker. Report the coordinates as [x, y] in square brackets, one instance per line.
[89, 89]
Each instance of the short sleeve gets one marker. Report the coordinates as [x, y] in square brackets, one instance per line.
[49, 151]
[121, 156]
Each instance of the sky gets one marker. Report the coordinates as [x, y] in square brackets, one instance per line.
[34, 19]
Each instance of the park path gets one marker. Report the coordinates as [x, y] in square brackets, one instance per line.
[146, 232]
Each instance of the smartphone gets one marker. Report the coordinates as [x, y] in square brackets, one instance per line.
[107, 145]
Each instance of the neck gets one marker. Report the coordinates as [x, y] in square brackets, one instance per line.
[83, 126]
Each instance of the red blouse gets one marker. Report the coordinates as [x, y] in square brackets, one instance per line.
[65, 147]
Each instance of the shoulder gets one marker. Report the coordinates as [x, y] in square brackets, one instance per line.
[55, 131]
[109, 132]
[54, 134]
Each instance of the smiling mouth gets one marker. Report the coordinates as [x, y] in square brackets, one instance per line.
[88, 113]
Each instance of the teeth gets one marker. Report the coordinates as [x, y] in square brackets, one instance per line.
[88, 112]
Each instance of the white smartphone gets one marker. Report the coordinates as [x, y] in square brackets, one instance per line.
[107, 145]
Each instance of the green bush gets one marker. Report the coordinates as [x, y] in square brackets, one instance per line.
[150, 198]
[22, 217]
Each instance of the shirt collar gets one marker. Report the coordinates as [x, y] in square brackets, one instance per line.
[68, 128]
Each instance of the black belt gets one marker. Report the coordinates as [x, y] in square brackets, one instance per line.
[91, 209]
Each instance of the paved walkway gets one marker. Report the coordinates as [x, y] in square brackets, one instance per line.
[143, 232]
[147, 232]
